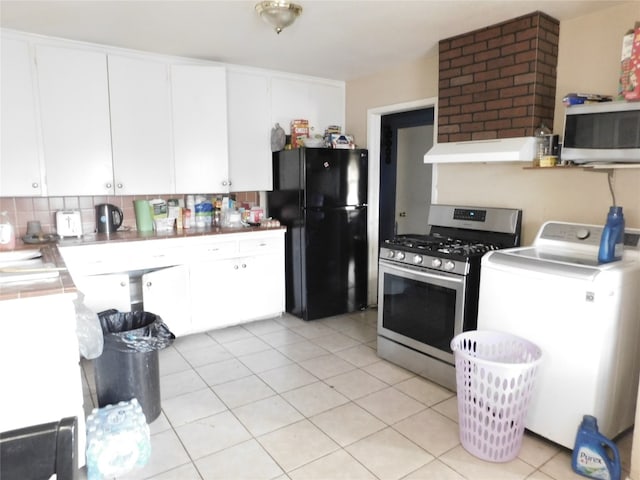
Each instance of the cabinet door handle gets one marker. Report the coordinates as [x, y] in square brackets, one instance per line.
[224, 183]
[123, 284]
[120, 185]
[148, 284]
[244, 265]
[34, 185]
[235, 267]
[108, 185]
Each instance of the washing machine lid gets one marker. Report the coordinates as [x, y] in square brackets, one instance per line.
[559, 256]
[555, 263]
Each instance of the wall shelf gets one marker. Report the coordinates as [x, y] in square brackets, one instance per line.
[593, 167]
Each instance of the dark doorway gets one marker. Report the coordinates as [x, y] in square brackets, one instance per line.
[405, 180]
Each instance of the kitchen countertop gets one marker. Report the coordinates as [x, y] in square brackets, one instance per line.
[64, 283]
[134, 235]
[51, 286]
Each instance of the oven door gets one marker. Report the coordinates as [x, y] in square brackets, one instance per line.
[419, 308]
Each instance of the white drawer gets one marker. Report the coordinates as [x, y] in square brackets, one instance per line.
[260, 244]
[213, 251]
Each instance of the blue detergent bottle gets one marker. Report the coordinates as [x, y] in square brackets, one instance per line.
[611, 242]
[594, 455]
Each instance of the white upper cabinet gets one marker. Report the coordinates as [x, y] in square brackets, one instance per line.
[74, 102]
[20, 169]
[140, 99]
[249, 131]
[200, 128]
[321, 103]
[92, 120]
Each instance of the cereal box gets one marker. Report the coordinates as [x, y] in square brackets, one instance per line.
[630, 78]
[299, 130]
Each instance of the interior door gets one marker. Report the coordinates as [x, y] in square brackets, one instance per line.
[413, 179]
[401, 179]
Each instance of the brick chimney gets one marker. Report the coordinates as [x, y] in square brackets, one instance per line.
[499, 81]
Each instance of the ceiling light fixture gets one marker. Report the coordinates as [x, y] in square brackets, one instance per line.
[278, 14]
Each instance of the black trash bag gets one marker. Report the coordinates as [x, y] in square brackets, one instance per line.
[134, 331]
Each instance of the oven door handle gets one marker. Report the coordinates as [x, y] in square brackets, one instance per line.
[421, 274]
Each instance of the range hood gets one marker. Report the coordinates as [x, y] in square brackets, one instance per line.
[518, 149]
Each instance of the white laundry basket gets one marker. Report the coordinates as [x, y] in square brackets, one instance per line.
[495, 374]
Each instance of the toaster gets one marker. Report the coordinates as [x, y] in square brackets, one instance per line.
[69, 223]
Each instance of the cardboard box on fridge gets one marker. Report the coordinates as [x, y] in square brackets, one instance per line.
[630, 66]
[299, 130]
[337, 140]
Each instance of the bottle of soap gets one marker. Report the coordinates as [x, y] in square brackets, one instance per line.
[594, 455]
[542, 135]
[611, 242]
[7, 233]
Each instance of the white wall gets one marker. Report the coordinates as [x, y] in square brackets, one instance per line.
[588, 61]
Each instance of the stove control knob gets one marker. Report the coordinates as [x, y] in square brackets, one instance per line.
[449, 265]
[400, 256]
[391, 254]
[417, 259]
[436, 262]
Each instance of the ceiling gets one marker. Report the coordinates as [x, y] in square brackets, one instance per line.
[339, 39]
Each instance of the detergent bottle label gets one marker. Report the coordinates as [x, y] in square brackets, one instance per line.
[591, 464]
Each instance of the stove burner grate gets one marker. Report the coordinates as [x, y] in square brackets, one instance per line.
[442, 245]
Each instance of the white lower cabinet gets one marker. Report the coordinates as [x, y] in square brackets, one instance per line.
[165, 292]
[40, 376]
[240, 287]
[262, 291]
[194, 284]
[235, 290]
[104, 292]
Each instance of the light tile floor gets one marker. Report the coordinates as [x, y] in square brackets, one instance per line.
[288, 399]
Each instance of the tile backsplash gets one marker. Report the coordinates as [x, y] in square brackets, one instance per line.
[23, 209]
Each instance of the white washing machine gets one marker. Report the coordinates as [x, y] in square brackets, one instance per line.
[584, 316]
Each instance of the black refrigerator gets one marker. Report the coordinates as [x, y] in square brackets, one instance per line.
[320, 195]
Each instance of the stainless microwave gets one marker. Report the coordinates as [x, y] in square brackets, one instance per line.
[602, 132]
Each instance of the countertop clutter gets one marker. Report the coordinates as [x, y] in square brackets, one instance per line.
[63, 282]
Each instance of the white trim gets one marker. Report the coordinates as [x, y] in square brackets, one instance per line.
[374, 119]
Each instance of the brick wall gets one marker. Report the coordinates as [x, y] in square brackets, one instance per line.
[499, 81]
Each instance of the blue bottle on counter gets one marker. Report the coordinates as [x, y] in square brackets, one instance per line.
[594, 455]
[611, 242]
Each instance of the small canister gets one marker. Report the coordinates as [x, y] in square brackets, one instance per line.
[186, 218]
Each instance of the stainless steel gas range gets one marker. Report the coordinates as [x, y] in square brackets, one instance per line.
[428, 285]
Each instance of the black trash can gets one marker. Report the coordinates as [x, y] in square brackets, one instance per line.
[128, 367]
